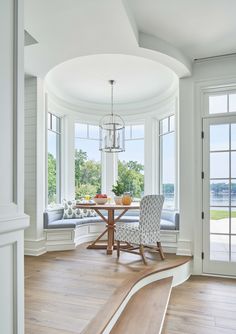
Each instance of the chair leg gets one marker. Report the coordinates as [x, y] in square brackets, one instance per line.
[118, 248]
[141, 248]
[159, 248]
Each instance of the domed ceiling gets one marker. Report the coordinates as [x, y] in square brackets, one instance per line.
[143, 45]
[86, 79]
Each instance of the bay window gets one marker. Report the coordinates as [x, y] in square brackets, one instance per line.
[131, 162]
[167, 160]
[54, 159]
[87, 160]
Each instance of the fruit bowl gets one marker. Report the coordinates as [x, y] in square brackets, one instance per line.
[100, 200]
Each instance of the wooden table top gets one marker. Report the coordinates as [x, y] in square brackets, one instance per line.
[112, 206]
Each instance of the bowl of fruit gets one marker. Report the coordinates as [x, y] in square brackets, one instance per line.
[100, 199]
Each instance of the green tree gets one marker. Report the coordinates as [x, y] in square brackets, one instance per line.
[80, 159]
[131, 175]
[52, 170]
[87, 175]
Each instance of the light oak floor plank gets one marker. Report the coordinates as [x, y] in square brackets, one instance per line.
[145, 311]
[64, 291]
[202, 305]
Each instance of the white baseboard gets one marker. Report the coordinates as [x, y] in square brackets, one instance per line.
[66, 239]
[34, 247]
[70, 238]
[184, 247]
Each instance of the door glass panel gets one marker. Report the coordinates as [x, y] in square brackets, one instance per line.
[219, 220]
[233, 136]
[233, 248]
[219, 247]
[232, 102]
[233, 164]
[218, 104]
[219, 185]
[219, 137]
[219, 193]
[219, 165]
[233, 193]
[233, 220]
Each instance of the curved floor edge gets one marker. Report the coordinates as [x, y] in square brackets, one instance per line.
[179, 273]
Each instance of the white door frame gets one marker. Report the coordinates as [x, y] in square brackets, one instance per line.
[210, 266]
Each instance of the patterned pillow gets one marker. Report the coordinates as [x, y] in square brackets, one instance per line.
[88, 213]
[70, 211]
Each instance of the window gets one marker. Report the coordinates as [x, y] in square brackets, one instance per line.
[131, 162]
[222, 103]
[54, 159]
[167, 160]
[87, 160]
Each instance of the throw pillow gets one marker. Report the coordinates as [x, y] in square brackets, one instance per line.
[70, 211]
[89, 213]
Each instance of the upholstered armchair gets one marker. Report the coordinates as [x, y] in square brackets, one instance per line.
[144, 233]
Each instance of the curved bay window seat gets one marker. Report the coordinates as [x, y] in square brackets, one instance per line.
[65, 234]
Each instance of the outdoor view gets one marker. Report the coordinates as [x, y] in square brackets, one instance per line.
[223, 192]
[167, 160]
[54, 133]
[88, 161]
[131, 162]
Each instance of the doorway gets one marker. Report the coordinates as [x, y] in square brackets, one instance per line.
[219, 195]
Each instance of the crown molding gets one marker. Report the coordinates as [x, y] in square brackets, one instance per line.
[129, 109]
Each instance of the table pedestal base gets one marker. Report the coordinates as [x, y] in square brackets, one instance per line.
[110, 221]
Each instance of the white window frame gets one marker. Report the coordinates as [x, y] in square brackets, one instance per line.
[58, 160]
[176, 197]
[94, 139]
[227, 90]
[131, 124]
[205, 93]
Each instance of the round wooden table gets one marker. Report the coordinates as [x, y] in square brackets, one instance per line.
[110, 222]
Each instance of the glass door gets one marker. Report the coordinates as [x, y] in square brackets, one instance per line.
[219, 195]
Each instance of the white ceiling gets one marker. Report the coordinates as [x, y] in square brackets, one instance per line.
[200, 28]
[86, 79]
[141, 44]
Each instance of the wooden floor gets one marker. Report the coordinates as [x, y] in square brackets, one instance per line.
[202, 305]
[153, 298]
[64, 291]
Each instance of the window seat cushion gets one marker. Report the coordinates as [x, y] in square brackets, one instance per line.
[72, 223]
[53, 219]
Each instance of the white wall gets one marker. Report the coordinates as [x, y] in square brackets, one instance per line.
[34, 165]
[30, 153]
[216, 72]
[12, 217]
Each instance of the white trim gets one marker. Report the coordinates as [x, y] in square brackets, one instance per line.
[184, 247]
[71, 115]
[201, 87]
[180, 274]
[70, 238]
[34, 247]
[98, 109]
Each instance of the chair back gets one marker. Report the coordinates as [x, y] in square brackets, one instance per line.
[150, 213]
